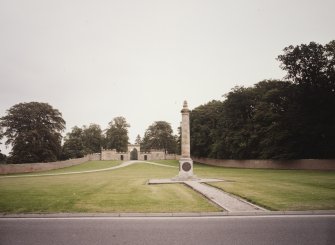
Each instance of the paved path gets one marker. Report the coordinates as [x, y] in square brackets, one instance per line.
[227, 201]
[221, 198]
[241, 230]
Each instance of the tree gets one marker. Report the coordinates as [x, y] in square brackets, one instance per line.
[138, 140]
[312, 68]
[160, 136]
[238, 111]
[82, 141]
[2, 156]
[254, 122]
[204, 121]
[117, 134]
[34, 131]
[73, 144]
[272, 120]
[178, 141]
[92, 138]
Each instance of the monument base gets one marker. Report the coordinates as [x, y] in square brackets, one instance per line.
[185, 170]
[181, 178]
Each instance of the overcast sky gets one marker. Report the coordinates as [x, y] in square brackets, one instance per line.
[96, 60]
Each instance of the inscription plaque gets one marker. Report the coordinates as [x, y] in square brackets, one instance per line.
[186, 166]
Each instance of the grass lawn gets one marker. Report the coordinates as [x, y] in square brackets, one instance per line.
[125, 189]
[121, 190]
[277, 189]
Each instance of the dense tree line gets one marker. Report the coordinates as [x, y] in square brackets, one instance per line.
[274, 119]
[82, 141]
[87, 140]
[34, 132]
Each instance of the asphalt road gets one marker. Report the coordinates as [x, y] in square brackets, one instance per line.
[190, 230]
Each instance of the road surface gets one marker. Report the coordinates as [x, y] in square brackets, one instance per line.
[294, 229]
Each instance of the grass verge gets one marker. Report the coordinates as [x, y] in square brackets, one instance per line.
[121, 190]
[126, 189]
[276, 189]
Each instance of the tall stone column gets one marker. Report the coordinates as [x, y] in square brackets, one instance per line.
[185, 132]
[185, 162]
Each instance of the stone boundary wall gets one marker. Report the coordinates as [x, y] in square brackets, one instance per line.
[303, 164]
[94, 157]
[36, 167]
[172, 157]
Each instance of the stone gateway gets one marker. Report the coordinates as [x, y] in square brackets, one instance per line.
[134, 153]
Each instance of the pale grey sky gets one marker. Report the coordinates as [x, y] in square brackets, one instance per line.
[95, 60]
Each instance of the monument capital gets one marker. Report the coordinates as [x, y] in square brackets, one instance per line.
[185, 108]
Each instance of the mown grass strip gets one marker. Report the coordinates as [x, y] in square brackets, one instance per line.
[126, 189]
[120, 190]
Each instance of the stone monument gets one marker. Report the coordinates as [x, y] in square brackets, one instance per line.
[185, 162]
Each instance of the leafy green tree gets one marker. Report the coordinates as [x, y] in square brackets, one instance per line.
[92, 138]
[256, 121]
[160, 136]
[138, 140]
[3, 157]
[117, 134]
[312, 68]
[34, 131]
[252, 122]
[178, 141]
[272, 120]
[204, 130]
[238, 111]
[82, 141]
[73, 144]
